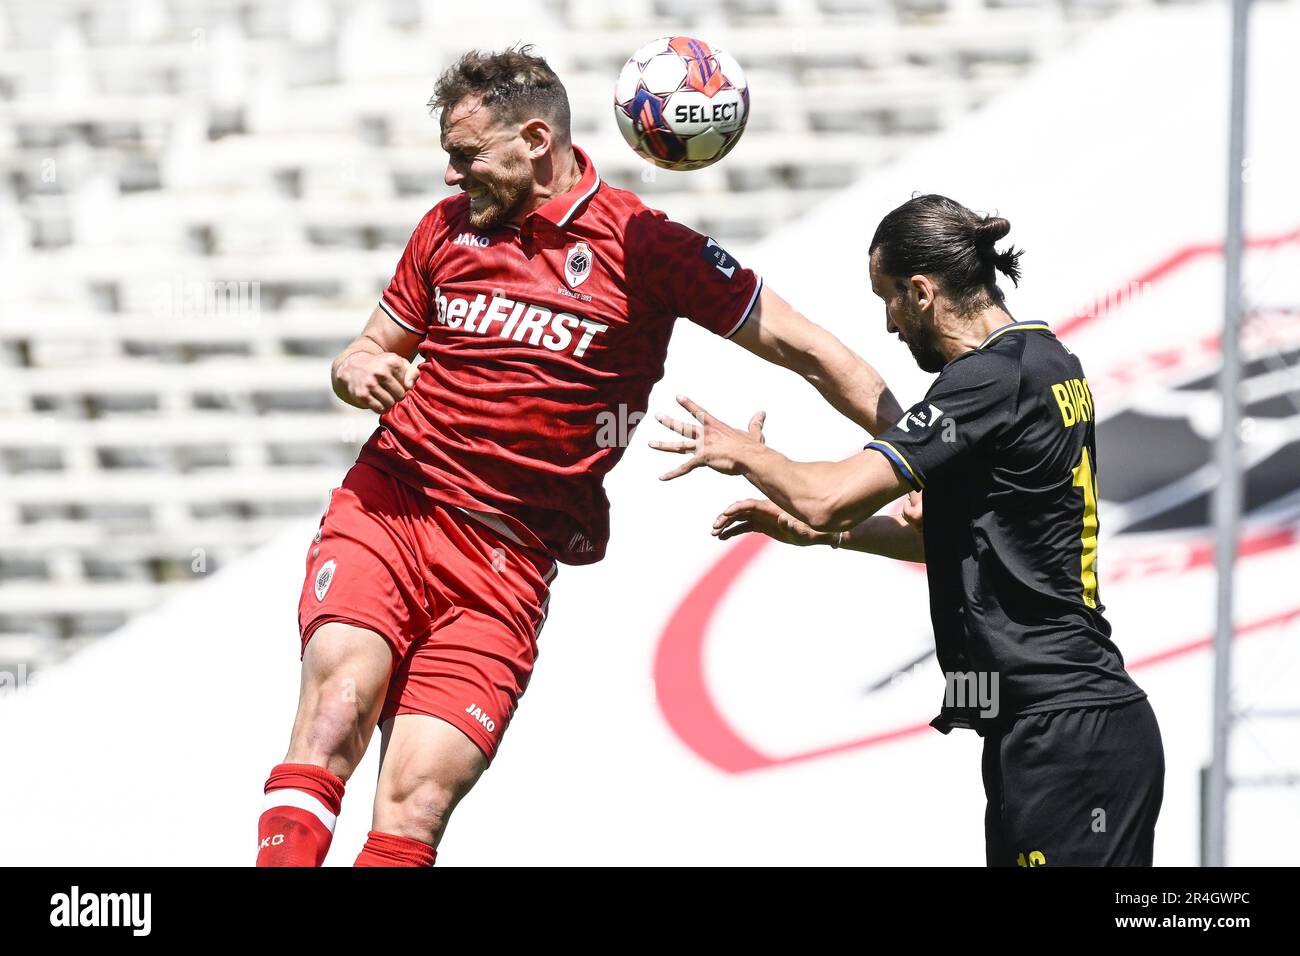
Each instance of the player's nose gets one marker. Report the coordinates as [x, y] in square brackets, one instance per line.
[452, 177]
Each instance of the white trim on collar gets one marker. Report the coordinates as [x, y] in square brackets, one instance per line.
[582, 199]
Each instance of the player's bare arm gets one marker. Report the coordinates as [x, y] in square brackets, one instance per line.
[375, 370]
[826, 495]
[896, 536]
[782, 335]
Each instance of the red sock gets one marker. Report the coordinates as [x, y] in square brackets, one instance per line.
[297, 822]
[389, 849]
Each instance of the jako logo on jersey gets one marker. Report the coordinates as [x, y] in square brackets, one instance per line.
[518, 321]
[102, 909]
[471, 239]
[324, 578]
[921, 417]
[481, 717]
[577, 265]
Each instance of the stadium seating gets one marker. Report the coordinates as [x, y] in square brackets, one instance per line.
[200, 201]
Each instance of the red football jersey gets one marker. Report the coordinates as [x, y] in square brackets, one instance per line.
[541, 345]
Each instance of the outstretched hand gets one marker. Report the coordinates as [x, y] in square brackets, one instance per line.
[710, 442]
[761, 515]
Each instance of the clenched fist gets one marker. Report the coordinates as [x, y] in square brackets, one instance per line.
[376, 381]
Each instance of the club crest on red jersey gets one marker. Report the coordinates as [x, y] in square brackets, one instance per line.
[577, 264]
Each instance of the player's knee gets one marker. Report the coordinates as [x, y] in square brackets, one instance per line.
[418, 809]
[345, 675]
[338, 714]
[333, 726]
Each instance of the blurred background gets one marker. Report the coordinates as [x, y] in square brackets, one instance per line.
[199, 205]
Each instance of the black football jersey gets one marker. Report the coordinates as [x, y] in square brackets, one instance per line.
[1003, 448]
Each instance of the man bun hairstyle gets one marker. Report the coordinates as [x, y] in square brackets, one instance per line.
[987, 232]
[516, 84]
[939, 237]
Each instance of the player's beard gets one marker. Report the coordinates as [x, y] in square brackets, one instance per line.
[923, 342]
[505, 196]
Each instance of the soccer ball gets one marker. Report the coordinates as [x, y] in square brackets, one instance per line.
[681, 103]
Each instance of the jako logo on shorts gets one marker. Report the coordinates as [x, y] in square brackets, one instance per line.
[481, 717]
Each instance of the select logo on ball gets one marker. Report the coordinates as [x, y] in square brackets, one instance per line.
[681, 103]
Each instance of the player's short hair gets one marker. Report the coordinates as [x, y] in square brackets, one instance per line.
[516, 84]
[936, 236]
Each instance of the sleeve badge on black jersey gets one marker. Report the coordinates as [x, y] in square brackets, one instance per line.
[920, 417]
[722, 261]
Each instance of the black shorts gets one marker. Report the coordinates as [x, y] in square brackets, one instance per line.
[1076, 787]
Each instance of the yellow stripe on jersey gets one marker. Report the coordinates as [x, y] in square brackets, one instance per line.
[1083, 478]
[1016, 327]
[907, 467]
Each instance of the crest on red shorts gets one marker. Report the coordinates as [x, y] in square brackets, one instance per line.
[577, 264]
[324, 577]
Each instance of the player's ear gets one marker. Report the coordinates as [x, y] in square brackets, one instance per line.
[922, 291]
[539, 137]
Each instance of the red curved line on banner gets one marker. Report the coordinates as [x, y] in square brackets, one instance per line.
[1243, 630]
[680, 686]
[1163, 268]
[696, 720]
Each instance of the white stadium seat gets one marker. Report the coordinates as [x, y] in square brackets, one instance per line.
[275, 157]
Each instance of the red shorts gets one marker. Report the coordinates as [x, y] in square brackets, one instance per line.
[459, 604]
